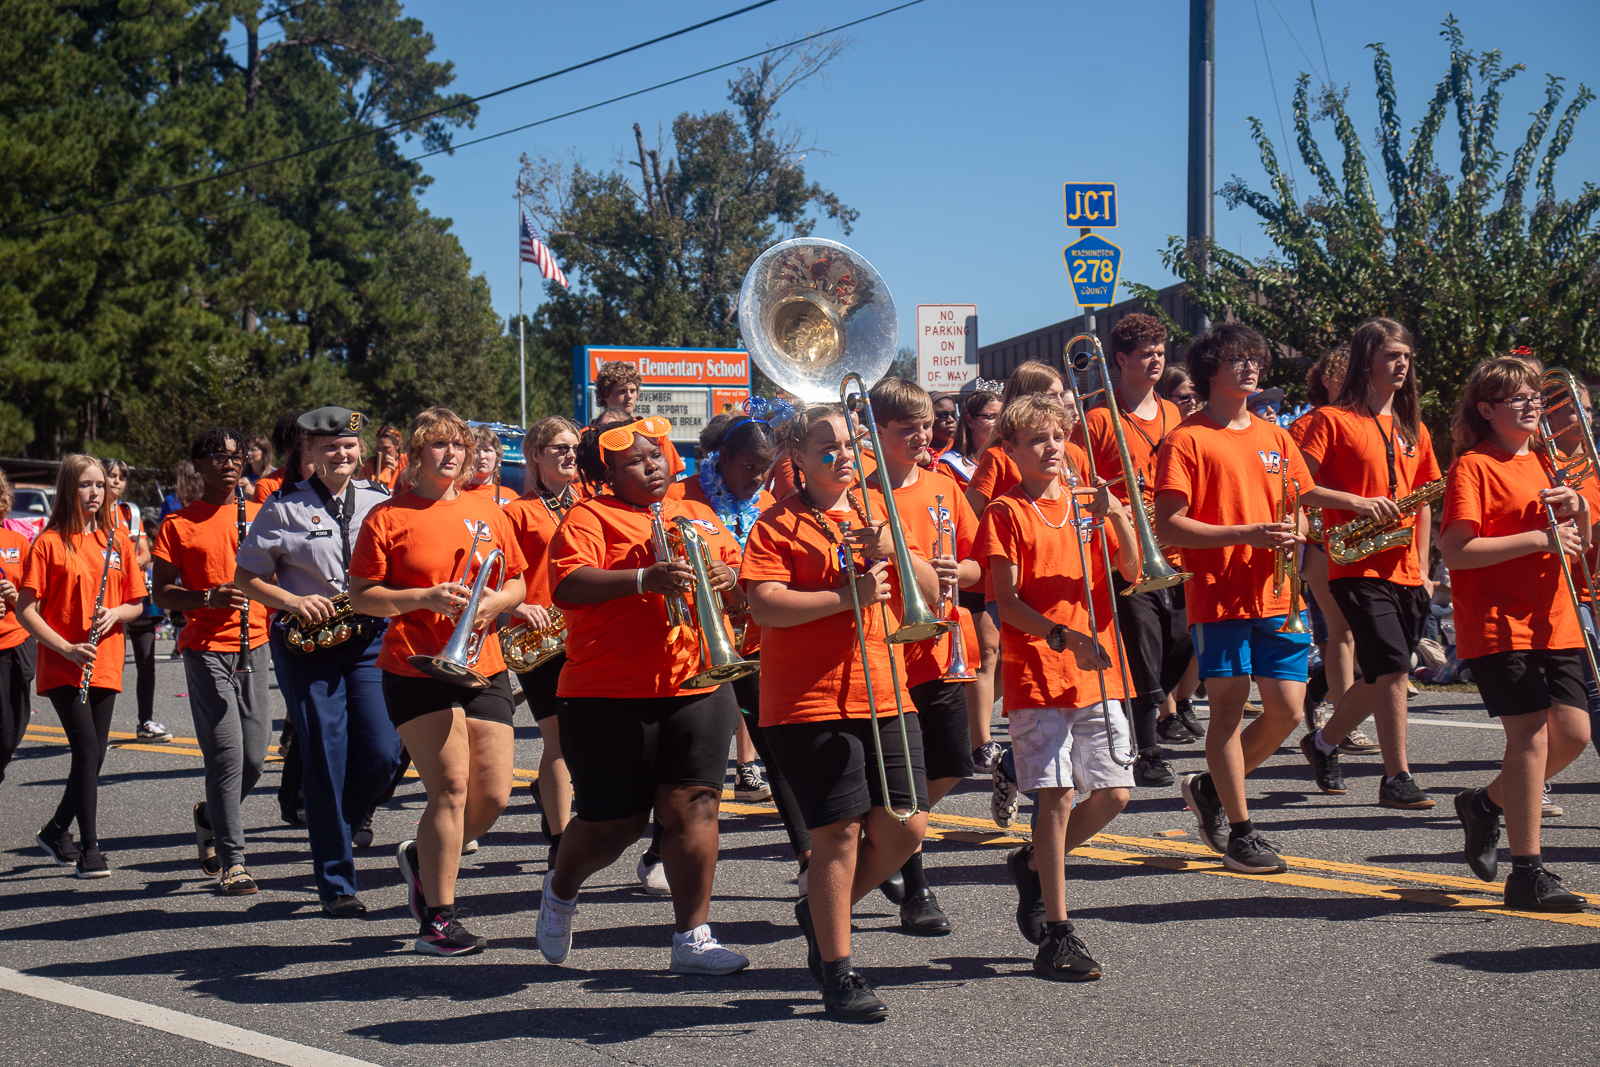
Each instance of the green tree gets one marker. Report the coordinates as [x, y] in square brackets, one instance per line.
[1472, 264]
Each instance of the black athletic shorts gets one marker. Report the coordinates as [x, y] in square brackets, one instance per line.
[747, 691]
[834, 773]
[946, 737]
[1524, 681]
[540, 685]
[971, 599]
[619, 750]
[1155, 633]
[1386, 620]
[407, 698]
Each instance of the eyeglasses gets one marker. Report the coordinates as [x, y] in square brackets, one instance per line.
[226, 459]
[561, 450]
[944, 416]
[620, 438]
[1242, 362]
[987, 418]
[1521, 403]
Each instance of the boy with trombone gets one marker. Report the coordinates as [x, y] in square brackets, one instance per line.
[1063, 689]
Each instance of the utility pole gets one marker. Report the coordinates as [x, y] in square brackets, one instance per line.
[1202, 86]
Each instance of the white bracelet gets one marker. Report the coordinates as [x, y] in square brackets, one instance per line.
[638, 580]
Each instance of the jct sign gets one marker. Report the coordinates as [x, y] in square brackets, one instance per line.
[947, 346]
[687, 385]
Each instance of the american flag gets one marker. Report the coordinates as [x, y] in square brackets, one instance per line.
[535, 252]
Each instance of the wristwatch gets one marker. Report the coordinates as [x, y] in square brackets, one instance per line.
[1057, 638]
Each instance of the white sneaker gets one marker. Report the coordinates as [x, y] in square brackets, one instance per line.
[153, 732]
[469, 847]
[554, 929]
[653, 877]
[1549, 809]
[700, 953]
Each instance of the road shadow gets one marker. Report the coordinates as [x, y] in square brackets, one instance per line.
[1529, 959]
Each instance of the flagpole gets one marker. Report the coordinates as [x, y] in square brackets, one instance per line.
[522, 344]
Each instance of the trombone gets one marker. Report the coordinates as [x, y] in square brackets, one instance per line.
[1283, 563]
[455, 662]
[1154, 570]
[1557, 389]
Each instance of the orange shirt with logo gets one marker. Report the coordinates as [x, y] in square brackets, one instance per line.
[65, 584]
[1037, 536]
[812, 672]
[499, 494]
[13, 559]
[411, 542]
[202, 542]
[622, 648]
[916, 503]
[1518, 604]
[1230, 477]
[1348, 447]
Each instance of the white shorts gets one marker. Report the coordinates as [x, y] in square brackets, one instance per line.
[1069, 748]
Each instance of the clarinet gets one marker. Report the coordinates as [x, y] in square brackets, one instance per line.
[99, 602]
[244, 666]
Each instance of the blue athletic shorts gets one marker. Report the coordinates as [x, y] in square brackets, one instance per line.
[1250, 647]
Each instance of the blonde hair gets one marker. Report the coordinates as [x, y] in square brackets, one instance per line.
[432, 426]
[68, 517]
[1030, 378]
[1491, 379]
[1028, 412]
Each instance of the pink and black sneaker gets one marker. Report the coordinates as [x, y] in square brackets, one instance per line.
[442, 935]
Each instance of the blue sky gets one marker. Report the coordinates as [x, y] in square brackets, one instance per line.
[950, 126]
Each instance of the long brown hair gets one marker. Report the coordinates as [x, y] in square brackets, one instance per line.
[1034, 376]
[1491, 379]
[68, 518]
[964, 444]
[1370, 339]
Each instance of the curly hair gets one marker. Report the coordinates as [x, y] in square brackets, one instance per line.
[1133, 331]
[213, 440]
[1221, 344]
[1333, 364]
[612, 375]
[437, 424]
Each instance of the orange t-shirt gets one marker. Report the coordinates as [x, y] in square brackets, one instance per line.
[1003, 476]
[927, 660]
[1590, 491]
[202, 542]
[13, 558]
[1518, 604]
[1348, 445]
[1144, 437]
[501, 496]
[535, 524]
[611, 647]
[1230, 478]
[1050, 580]
[780, 483]
[369, 471]
[66, 585]
[266, 485]
[411, 542]
[813, 673]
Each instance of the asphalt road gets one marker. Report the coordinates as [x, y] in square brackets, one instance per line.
[1377, 947]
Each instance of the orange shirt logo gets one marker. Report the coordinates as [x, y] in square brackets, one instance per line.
[1271, 462]
[10, 555]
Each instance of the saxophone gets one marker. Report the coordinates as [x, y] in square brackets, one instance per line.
[525, 648]
[304, 636]
[1354, 541]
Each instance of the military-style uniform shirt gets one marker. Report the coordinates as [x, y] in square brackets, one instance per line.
[296, 538]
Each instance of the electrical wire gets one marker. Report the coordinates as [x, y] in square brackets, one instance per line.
[1297, 43]
[1318, 25]
[382, 129]
[1288, 152]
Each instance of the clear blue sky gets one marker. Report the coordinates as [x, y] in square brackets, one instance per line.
[950, 126]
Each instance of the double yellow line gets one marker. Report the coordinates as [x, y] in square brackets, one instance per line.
[1385, 883]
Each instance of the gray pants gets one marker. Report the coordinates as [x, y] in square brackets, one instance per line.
[233, 724]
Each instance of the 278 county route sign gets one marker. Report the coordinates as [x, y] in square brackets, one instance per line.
[1092, 264]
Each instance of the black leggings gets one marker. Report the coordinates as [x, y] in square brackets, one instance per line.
[88, 729]
[141, 634]
[16, 672]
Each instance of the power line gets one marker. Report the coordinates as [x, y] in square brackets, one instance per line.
[1288, 153]
[1296, 40]
[383, 129]
[1318, 25]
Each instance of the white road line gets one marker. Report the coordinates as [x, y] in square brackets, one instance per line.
[193, 1027]
[1454, 722]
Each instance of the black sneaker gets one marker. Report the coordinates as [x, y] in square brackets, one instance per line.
[62, 851]
[344, 906]
[1187, 716]
[1003, 795]
[894, 888]
[93, 865]
[1483, 835]
[362, 838]
[1537, 889]
[1030, 896]
[1251, 854]
[205, 843]
[1174, 732]
[1064, 958]
[851, 1000]
[921, 915]
[747, 783]
[984, 756]
[1403, 792]
[1325, 769]
[802, 915]
[1150, 769]
[442, 935]
[1208, 813]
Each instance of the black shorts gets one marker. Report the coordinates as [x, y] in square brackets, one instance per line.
[620, 750]
[407, 698]
[972, 600]
[834, 773]
[747, 692]
[1155, 635]
[540, 685]
[946, 738]
[1386, 620]
[1524, 681]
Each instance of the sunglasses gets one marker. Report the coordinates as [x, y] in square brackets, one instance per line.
[620, 438]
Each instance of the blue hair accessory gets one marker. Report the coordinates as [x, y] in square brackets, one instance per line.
[774, 411]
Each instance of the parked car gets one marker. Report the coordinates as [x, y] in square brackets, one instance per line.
[31, 506]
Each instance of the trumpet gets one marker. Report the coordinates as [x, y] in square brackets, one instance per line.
[303, 635]
[455, 662]
[1154, 570]
[677, 607]
[1372, 536]
[958, 671]
[1558, 390]
[719, 659]
[526, 647]
[1283, 569]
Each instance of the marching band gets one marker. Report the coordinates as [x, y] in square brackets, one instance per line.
[845, 584]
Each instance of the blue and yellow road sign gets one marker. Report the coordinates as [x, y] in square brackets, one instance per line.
[1092, 264]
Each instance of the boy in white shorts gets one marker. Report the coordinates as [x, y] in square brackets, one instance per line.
[1062, 685]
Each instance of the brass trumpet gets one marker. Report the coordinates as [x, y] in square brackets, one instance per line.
[1283, 568]
[526, 648]
[303, 635]
[958, 671]
[455, 662]
[719, 659]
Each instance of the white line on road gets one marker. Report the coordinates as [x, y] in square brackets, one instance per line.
[193, 1027]
[1455, 722]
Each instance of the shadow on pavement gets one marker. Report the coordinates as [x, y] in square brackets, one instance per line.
[1528, 959]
